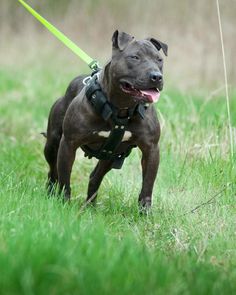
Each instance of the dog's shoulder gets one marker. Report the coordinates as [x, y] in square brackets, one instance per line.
[75, 86]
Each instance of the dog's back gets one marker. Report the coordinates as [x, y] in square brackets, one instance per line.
[60, 107]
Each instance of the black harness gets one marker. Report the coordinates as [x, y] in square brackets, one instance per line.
[108, 111]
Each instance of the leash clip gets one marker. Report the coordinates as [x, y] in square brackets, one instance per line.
[94, 66]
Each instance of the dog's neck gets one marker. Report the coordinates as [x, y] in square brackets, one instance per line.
[113, 92]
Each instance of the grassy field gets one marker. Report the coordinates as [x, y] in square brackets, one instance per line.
[50, 248]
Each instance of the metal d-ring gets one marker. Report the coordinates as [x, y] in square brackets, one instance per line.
[86, 80]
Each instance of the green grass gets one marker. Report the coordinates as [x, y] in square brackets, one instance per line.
[50, 248]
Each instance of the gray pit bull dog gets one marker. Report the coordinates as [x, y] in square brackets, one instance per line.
[109, 116]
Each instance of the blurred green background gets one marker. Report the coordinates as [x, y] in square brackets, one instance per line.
[50, 248]
[190, 28]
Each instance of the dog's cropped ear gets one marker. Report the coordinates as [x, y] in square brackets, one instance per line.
[159, 45]
[120, 40]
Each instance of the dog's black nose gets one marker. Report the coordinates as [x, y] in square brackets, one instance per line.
[156, 76]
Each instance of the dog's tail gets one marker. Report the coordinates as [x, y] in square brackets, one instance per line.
[44, 134]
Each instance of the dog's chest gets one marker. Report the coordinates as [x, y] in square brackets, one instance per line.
[105, 134]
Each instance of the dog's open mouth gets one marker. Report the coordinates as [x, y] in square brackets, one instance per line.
[148, 95]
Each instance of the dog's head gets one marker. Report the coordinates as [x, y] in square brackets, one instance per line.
[137, 66]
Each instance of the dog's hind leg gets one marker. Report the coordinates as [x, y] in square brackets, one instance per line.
[96, 177]
[50, 153]
[65, 160]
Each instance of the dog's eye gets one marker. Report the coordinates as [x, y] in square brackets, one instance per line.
[159, 59]
[134, 57]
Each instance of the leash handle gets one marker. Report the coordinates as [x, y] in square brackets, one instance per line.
[93, 64]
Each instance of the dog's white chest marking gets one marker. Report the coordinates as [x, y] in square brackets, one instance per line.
[126, 137]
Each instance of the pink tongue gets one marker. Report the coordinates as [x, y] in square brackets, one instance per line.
[152, 94]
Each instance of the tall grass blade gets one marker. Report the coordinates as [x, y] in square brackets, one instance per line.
[226, 82]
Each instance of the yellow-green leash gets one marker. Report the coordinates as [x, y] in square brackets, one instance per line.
[93, 64]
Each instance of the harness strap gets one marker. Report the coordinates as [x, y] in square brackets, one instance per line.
[114, 140]
[97, 99]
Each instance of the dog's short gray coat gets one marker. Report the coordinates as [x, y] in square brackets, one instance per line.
[73, 121]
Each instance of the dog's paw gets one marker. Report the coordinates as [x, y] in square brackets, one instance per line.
[145, 205]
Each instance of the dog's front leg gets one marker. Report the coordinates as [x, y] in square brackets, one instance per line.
[96, 177]
[150, 163]
[65, 160]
